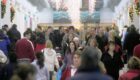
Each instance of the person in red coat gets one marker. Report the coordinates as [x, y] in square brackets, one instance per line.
[25, 49]
[71, 70]
[134, 69]
[133, 65]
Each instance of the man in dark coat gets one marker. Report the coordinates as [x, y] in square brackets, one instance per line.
[14, 36]
[131, 40]
[59, 36]
[101, 39]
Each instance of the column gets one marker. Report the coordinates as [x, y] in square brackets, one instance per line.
[0, 15]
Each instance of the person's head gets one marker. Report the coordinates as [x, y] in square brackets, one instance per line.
[49, 29]
[70, 37]
[29, 29]
[112, 34]
[25, 72]
[132, 28]
[77, 41]
[89, 60]
[71, 29]
[49, 44]
[39, 28]
[93, 42]
[14, 26]
[111, 45]
[134, 63]
[40, 59]
[66, 31]
[27, 34]
[77, 58]
[5, 27]
[125, 26]
[61, 29]
[93, 31]
[101, 32]
[136, 51]
[72, 46]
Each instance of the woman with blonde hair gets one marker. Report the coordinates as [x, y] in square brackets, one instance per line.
[112, 61]
[50, 58]
[134, 69]
[24, 72]
[113, 38]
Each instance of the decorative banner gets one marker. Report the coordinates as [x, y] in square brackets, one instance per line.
[131, 12]
[136, 1]
[137, 6]
[12, 11]
[4, 2]
[3, 8]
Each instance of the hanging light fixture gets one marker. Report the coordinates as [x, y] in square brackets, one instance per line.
[74, 12]
[92, 4]
[56, 4]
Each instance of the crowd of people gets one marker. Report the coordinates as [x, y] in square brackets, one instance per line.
[94, 53]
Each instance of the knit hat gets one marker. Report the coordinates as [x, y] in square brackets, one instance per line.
[136, 51]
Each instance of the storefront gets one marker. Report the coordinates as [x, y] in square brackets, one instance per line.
[127, 13]
[18, 12]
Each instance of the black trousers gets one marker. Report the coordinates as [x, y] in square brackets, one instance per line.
[51, 74]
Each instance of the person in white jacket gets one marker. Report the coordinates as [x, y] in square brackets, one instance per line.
[50, 58]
